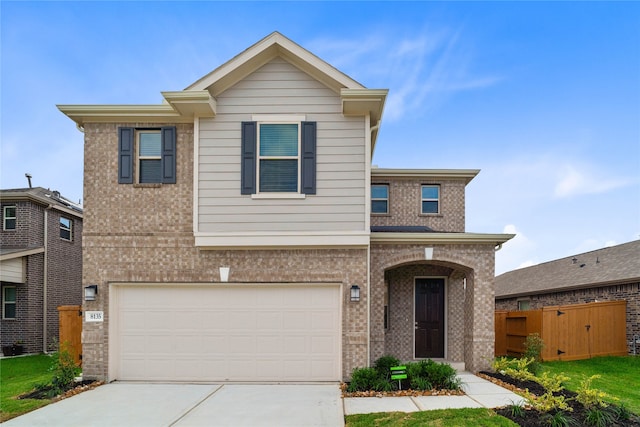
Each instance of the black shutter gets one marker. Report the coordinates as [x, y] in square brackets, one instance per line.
[248, 165]
[168, 162]
[308, 158]
[125, 155]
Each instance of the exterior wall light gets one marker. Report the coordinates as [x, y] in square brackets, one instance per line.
[224, 274]
[355, 293]
[90, 292]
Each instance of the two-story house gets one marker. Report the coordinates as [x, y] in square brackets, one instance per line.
[237, 232]
[40, 265]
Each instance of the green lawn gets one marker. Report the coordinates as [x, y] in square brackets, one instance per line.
[480, 417]
[19, 375]
[619, 376]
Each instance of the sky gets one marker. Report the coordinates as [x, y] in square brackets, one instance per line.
[542, 97]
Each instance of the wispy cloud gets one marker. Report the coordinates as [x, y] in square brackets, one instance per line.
[573, 181]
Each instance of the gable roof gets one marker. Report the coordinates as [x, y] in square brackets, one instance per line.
[608, 266]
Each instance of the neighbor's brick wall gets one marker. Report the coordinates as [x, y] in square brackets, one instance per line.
[470, 318]
[29, 229]
[405, 204]
[629, 292]
[139, 233]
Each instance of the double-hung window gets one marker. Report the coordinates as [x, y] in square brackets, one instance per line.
[278, 159]
[8, 302]
[430, 199]
[147, 155]
[278, 156]
[9, 218]
[66, 228]
[379, 198]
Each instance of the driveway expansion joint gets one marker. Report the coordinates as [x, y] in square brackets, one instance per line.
[195, 405]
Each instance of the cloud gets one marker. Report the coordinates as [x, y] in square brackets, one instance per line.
[573, 182]
[518, 252]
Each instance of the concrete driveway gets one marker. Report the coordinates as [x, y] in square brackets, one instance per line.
[182, 405]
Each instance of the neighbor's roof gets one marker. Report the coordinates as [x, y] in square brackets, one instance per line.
[43, 196]
[609, 266]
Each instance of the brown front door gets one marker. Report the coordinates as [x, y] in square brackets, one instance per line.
[429, 318]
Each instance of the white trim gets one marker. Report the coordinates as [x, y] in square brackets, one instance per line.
[196, 173]
[440, 238]
[5, 217]
[446, 323]
[266, 240]
[21, 253]
[268, 195]
[279, 118]
[14, 302]
[297, 157]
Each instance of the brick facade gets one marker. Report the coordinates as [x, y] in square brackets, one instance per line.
[63, 263]
[629, 292]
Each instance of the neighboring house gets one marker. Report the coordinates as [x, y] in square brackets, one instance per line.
[40, 264]
[230, 233]
[609, 274]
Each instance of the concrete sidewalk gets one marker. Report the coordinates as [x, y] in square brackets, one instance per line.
[479, 393]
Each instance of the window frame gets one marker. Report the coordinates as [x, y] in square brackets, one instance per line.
[64, 228]
[5, 302]
[128, 163]
[429, 199]
[386, 199]
[5, 217]
[139, 158]
[528, 304]
[297, 157]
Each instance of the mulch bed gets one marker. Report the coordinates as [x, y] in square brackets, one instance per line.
[44, 393]
[533, 418]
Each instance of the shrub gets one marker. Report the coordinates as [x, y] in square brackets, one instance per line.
[65, 371]
[533, 346]
[419, 383]
[438, 375]
[365, 379]
[559, 419]
[384, 364]
[515, 368]
[599, 417]
[591, 397]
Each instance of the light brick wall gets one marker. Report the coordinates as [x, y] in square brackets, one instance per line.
[405, 204]
[144, 234]
[629, 292]
[470, 329]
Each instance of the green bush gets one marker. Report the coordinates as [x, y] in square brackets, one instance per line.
[365, 379]
[438, 375]
[65, 371]
[420, 383]
[533, 346]
[384, 365]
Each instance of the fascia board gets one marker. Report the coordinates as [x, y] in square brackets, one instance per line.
[192, 103]
[20, 254]
[159, 113]
[262, 52]
[440, 238]
[466, 174]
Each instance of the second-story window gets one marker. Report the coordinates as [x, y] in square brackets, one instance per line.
[430, 199]
[149, 156]
[379, 198]
[66, 228]
[278, 160]
[9, 218]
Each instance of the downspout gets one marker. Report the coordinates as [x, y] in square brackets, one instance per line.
[45, 278]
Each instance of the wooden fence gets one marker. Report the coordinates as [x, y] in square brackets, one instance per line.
[569, 332]
[70, 330]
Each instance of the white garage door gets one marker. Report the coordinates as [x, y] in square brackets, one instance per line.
[226, 333]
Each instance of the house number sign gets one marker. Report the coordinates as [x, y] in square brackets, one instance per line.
[94, 316]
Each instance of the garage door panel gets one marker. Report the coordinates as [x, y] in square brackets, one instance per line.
[220, 333]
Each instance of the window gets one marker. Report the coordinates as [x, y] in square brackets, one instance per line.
[524, 305]
[147, 155]
[430, 199]
[278, 156]
[9, 218]
[66, 226]
[9, 302]
[379, 198]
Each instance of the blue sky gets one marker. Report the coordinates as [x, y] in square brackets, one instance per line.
[543, 97]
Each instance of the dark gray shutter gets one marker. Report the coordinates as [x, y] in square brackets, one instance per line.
[125, 155]
[248, 165]
[168, 163]
[308, 158]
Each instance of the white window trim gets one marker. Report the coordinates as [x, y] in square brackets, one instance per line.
[5, 303]
[5, 217]
[138, 157]
[269, 119]
[430, 199]
[373, 199]
[70, 228]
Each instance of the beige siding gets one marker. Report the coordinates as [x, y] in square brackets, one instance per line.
[12, 270]
[279, 87]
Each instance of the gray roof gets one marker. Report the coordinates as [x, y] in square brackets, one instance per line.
[40, 194]
[609, 266]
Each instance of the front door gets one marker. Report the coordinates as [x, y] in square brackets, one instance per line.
[429, 318]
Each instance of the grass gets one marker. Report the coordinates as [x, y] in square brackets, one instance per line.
[619, 376]
[19, 375]
[481, 417]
